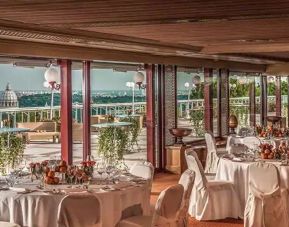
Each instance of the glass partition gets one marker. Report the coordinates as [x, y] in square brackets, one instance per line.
[118, 111]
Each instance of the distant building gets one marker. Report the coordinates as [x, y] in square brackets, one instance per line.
[8, 98]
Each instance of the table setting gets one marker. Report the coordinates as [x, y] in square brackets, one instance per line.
[32, 193]
[233, 166]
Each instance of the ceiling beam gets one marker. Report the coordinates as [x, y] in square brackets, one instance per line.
[33, 32]
[34, 49]
[246, 48]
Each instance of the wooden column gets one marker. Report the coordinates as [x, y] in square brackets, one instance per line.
[150, 115]
[278, 96]
[86, 109]
[208, 99]
[288, 101]
[66, 110]
[219, 103]
[169, 106]
[252, 103]
[225, 100]
[160, 112]
[263, 100]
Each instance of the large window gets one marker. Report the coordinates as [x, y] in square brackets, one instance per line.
[190, 99]
[31, 102]
[118, 111]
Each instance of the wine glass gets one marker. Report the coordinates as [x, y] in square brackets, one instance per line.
[100, 168]
[71, 174]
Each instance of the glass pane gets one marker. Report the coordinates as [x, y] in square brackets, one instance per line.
[38, 112]
[239, 97]
[77, 107]
[190, 97]
[118, 110]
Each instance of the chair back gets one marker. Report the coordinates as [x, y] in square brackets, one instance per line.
[79, 210]
[231, 141]
[168, 206]
[210, 142]
[252, 142]
[212, 157]
[195, 165]
[144, 170]
[187, 180]
[264, 177]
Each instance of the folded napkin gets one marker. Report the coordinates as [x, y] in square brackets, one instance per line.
[236, 159]
[18, 189]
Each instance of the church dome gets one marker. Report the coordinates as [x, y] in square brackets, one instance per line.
[8, 98]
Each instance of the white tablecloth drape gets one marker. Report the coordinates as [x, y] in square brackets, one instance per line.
[39, 209]
[236, 172]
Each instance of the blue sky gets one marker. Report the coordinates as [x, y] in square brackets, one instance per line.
[22, 78]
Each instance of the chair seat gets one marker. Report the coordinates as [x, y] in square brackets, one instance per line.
[219, 184]
[136, 221]
[210, 176]
[8, 224]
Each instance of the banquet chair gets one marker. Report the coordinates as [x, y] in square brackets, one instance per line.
[8, 224]
[211, 200]
[266, 203]
[144, 170]
[79, 210]
[187, 180]
[232, 141]
[252, 142]
[166, 211]
[246, 131]
[212, 159]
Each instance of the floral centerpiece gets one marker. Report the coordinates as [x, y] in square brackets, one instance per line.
[270, 131]
[88, 167]
[268, 152]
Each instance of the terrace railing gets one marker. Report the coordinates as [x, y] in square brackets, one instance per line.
[33, 114]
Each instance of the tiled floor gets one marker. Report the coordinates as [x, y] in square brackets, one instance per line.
[163, 180]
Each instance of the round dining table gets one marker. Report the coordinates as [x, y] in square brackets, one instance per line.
[237, 173]
[27, 205]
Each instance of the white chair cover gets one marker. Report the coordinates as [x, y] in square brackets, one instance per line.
[212, 157]
[144, 170]
[187, 180]
[246, 131]
[232, 141]
[79, 210]
[211, 200]
[252, 142]
[8, 224]
[266, 204]
[166, 210]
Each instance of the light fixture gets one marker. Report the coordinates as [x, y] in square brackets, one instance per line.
[139, 79]
[52, 78]
[52, 81]
[271, 79]
[187, 85]
[196, 80]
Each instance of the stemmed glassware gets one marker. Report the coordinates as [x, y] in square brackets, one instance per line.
[100, 168]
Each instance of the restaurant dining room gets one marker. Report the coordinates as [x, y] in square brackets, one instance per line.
[148, 113]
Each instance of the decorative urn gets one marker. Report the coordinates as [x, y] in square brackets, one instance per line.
[233, 124]
[179, 133]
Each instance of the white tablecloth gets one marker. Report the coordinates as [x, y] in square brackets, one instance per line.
[39, 209]
[236, 172]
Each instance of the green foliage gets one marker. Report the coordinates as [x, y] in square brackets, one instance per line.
[11, 153]
[133, 131]
[113, 142]
[197, 121]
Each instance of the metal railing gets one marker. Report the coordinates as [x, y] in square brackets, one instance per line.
[34, 114]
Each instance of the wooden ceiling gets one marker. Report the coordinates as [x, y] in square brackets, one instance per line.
[253, 32]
